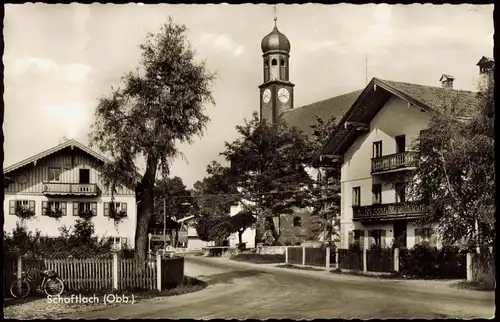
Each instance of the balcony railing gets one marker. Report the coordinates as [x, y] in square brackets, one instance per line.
[81, 189]
[391, 162]
[389, 211]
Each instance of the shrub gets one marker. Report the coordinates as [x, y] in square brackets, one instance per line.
[424, 261]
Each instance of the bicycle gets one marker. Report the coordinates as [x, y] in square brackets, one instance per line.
[51, 284]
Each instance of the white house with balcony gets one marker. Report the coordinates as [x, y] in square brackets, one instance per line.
[374, 141]
[66, 179]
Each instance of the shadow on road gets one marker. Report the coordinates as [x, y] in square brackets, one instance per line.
[227, 278]
[11, 301]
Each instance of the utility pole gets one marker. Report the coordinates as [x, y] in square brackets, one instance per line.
[164, 224]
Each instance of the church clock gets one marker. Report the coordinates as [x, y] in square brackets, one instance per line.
[266, 96]
[283, 95]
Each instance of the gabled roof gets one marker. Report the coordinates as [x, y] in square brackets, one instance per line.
[485, 60]
[67, 144]
[446, 77]
[371, 100]
[305, 116]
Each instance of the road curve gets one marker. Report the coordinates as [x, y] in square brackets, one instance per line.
[242, 290]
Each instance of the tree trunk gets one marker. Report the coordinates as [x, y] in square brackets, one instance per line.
[240, 235]
[145, 208]
[275, 233]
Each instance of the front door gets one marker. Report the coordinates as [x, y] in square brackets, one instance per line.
[400, 227]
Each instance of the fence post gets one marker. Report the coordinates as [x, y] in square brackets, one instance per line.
[286, 255]
[396, 259]
[115, 271]
[364, 260]
[328, 252]
[469, 267]
[337, 257]
[19, 267]
[303, 255]
[158, 271]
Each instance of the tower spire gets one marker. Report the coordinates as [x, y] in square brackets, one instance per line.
[275, 18]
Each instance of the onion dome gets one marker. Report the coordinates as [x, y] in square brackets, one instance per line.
[275, 41]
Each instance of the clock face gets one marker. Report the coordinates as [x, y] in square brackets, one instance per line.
[266, 96]
[283, 95]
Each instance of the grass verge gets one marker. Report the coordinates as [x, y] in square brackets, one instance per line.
[259, 258]
[476, 286]
[393, 275]
[304, 268]
[40, 307]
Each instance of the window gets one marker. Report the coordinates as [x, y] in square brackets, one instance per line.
[27, 204]
[82, 206]
[282, 63]
[118, 242]
[359, 237]
[297, 222]
[118, 206]
[54, 174]
[400, 189]
[84, 176]
[377, 149]
[378, 237]
[377, 194]
[400, 143]
[425, 235]
[274, 62]
[54, 206]
[356, 196]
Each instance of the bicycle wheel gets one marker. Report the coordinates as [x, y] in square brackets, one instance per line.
[20, 288]
[53, 287]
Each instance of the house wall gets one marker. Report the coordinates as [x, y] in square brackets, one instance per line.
[395, 118]
[248, 236]
[70, 161]
[104, 226]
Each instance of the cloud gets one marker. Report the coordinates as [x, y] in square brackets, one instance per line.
[74, 72]
[225, 43]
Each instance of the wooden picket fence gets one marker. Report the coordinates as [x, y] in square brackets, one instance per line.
[96, 274]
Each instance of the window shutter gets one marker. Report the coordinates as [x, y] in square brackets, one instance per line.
[382, 237]
[75, 208]
[362, 238]
[64, 208]
[32, 205]
[106, 209]
[93, 207]
[418, 238]
[124, 206]
[433, 239]
[12, 207]
[44, 207]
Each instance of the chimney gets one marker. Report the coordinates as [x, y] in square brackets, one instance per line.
[447, 81]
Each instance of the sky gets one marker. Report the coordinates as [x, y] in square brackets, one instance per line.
[60, 59]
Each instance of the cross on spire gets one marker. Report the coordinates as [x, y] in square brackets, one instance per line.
[275, 17]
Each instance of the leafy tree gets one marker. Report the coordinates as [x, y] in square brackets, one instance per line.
[325, 198]
[160, 105]
[268, 162]
[455, 176]
[241, 222]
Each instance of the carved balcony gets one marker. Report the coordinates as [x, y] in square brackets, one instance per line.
[389, 211]
[393, 163]
[70, 189]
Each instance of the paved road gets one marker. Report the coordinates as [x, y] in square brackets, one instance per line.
[241, 290]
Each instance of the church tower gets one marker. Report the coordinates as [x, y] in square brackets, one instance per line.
[276, 92]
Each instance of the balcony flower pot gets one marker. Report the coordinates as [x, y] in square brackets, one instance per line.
[117, 216]
[24, 212]
[86, 214]
[54, 213]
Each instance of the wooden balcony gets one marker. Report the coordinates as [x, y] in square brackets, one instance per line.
[70, 189]
[393, 162]
[389, 211]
